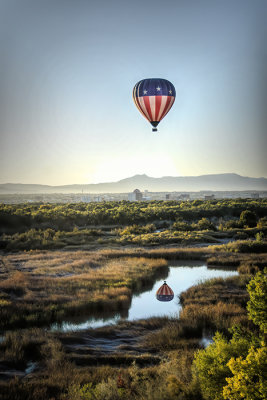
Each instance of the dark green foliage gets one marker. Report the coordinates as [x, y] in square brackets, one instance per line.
[21, 217]
[54, 226]
[205, 224]
[248, 218]
[247, 246]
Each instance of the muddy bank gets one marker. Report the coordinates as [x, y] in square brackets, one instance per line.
[120, 344]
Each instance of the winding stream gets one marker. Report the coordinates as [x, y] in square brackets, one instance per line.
[180, 276]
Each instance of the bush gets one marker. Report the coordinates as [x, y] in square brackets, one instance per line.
[182, 226]
[205, 224]
[246, 246]
[210, 366]
[262, 223]
[257, 305]
[248, 381]
[241, 362]
[259, 236]
[248, 218]
[231, 224]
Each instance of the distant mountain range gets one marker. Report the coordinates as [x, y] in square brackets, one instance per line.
[216, 182]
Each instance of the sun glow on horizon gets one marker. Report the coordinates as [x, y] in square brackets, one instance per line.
[113, 169]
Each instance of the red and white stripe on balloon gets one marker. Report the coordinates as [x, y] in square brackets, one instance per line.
[164, 293]
[154, 98]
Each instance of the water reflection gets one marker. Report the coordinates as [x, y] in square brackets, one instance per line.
[147, 285]
[96, 320]
[180, 275]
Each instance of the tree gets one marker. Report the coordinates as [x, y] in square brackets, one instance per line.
[235, 370]
[257, 305]
[210, 365]
[248, 381]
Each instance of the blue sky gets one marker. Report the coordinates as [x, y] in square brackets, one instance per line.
[67, 69]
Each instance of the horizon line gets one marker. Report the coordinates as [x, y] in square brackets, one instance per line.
[133, 176]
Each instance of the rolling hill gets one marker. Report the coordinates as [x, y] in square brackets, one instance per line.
[216, 182]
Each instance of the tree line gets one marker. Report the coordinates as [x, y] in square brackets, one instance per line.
[22, 217]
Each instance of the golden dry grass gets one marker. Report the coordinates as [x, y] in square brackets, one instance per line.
[40, 287]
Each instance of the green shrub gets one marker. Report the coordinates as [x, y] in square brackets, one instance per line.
[204, 224]
[249, 376]
[259, 236]
[262, 223]
[246, 246]
[182, 226]
[248, 218]
[210, 366]
[257, 305]
[231, 224]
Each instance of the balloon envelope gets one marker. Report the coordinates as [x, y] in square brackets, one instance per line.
[164, 293]
[154, 98]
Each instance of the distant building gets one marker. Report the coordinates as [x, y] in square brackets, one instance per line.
[86, 199]
[255, 195]
[184, 196]
[146, 197]
[98, 199]
[136, 195]
[180, 197]
[167, 196]
[209, 197]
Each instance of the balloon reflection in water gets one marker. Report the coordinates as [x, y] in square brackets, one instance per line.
[164, 293]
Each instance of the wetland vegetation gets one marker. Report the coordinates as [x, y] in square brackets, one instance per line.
[107, 252]
[90, 225]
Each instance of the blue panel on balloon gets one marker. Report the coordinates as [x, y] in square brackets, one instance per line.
[155, 87]
[162, 297]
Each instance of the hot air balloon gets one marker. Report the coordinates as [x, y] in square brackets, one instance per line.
[164, 293]
[154, 99]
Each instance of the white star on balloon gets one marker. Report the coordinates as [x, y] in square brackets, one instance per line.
[170, 91]
[158, 88]
[145, 91]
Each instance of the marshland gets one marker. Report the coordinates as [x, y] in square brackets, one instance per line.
[93, 262]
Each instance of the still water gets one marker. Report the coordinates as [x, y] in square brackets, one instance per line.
[180, 276]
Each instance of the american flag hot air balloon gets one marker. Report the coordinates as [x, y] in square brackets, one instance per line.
[154, 99]
[164, 293]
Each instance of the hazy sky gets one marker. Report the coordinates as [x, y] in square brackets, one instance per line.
[67, 69]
